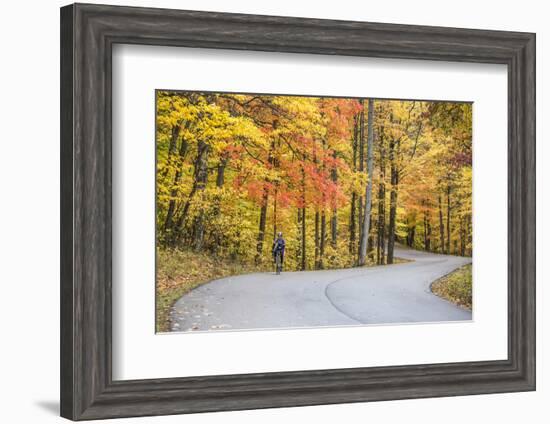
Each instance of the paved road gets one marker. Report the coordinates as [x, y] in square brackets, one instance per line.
[377, 295]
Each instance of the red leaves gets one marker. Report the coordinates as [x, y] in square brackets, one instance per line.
[338, 115]
[460, 159]
[233, 151]
[298, 165]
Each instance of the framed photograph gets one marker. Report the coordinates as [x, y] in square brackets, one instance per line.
[264, 212]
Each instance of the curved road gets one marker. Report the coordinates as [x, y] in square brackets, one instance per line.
[375, 295]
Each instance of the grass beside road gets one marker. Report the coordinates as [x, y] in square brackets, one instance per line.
[179, 271]
[397, 260]
[456, 287]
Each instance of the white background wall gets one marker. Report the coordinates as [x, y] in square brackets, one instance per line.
[29, 224]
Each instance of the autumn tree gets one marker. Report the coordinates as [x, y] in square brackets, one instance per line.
[368, 194]
[345, 180]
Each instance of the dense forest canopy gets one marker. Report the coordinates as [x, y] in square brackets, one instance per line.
[343, 179]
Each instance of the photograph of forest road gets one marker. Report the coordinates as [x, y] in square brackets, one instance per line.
[282, 211]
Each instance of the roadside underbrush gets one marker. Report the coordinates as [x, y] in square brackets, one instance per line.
[456, 287]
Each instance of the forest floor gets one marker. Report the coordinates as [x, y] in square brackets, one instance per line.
[398, 293]
[456, 287]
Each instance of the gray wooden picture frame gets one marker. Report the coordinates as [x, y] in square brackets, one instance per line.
[88, 33]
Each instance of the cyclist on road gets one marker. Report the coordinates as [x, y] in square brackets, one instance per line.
[279, 252]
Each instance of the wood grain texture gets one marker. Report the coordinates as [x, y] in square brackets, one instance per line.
[88, 33]
[66, 214]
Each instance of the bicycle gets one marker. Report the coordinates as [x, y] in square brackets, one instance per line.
[278, 262]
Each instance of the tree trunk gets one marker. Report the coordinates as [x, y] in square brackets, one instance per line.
[411, 233]
[322, 241]
[299, 239]
[169, 221]
[425, 227]
[334, 216]
[275, 215]
[263, 211]
[429, 245]
[370, 242]
[220, 181]
[462, 237]
[394, 176]
[441, 226]
[448, 219]
[220, 178]
[352, 223]
[353, 194]
[393, 212]
[381, 233]
[316, 261]
[174, 135]
[303, 265]
[173, 139]
[368, 191]
[380, 237]
[427, 232]
[357, 246]
[304, 259]
[361, 169]
[200, 160]
[201, 178]
[261, 228]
